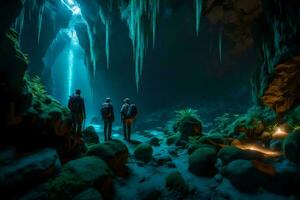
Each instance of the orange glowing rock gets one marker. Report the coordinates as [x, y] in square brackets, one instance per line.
[279, 134]
[266, 152]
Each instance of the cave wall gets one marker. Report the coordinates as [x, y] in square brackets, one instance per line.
[248, 30]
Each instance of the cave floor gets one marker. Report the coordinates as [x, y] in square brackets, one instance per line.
[145, 179]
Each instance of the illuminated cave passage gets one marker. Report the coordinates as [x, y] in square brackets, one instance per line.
[184, 99]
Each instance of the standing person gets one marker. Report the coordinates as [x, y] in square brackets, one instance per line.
[77, 108]
[107, 113]
[128, 114]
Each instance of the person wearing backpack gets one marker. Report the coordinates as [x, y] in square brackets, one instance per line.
[107, 113]
[128, 115]
[77, 108]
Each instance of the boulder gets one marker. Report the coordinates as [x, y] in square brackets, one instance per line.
[90, 136]
[143, 152]
[175, 182]
[213, 139]
[28, 171]
[80, 174]
[162, 160]
[244, 176]
[173, 139]
[154, 141]
[202, 162]
[288, 177]
[89, 194]
[193, 147]
[230, 153]
[114, 152]
[291, 147]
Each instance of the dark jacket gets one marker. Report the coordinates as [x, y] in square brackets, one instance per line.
[76, 105]
[124, 111]
[107, 112]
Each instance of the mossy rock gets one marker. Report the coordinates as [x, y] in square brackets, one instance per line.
[244, 176]
[230, 153]
[89, 194]
[202, 162]
[90, 136]
[173, 139]
[193, 147]
[143, 152]
[213, 139]
[114, 152]
[80, 174]
[154, 141]
[175, 182]
[291, 147]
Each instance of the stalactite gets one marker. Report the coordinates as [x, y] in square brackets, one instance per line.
[220, 45]
[153, 12]
[198, 7]
[138, 14]
[92, 51]
[40, 21]
[106, 20]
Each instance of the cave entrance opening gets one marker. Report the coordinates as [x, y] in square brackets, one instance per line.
[65, 63]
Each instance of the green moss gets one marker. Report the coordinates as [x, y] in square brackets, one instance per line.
[228, 124]
[64, 186]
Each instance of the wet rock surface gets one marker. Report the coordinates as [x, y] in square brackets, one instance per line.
[291, 147]
[202, 161]
[231, 153]
[89, 194]
[29, 171]
[143, 152]
[243, 175]
[80, 174]
[114, 152]
[175, 181]
[90, 136]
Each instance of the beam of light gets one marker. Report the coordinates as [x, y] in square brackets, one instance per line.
[70, 68]
[266, 152]
[74, 42]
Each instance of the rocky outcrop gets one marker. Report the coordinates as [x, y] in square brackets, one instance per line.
[115, 153]
[143, 152]
[30, 119]
[28, 171]
[282, 92]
